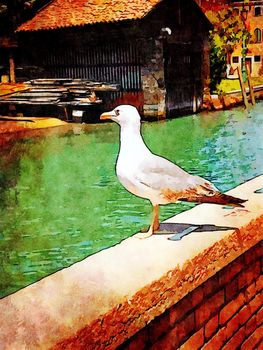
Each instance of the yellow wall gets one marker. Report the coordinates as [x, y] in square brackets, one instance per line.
[254, 49]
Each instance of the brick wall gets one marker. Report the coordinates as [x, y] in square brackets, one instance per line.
[225, 312]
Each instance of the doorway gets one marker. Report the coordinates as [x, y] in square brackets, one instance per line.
[249, 63]
[182, 79]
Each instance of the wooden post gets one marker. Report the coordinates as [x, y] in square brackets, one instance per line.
[66, 113]
[12, 69]
[242, 85]
[194, 101]
[251, 88]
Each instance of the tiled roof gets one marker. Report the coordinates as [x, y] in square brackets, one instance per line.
[70, 13]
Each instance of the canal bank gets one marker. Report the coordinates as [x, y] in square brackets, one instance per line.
[202, 291]
[228, 100]
[13, 129]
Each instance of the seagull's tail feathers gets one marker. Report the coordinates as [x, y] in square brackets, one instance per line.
[218, 198]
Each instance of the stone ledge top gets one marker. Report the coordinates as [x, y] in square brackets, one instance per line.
[91, 301]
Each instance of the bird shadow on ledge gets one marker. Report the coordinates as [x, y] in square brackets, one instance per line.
[181, 230]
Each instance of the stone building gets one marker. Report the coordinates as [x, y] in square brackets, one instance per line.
[156, 50]
[254, 23]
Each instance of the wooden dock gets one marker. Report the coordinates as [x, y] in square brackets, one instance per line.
[68, 94]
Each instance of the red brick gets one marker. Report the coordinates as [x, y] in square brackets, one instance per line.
[231, 308]
[180, 309]
[197, 296]
[260, 317]
[256, 303]
[253, 255]
[211, 327]
[251, 325]
[185, 327]
[196, 341]
[228, 101]
[217, 104]
[259, 284]
[246, 277]
[211, 286]
[231, 289]
[226, 275]
[253, 340]
[139, 341]
[158, 327]
[244, 314]
[177, 335]
[236, 340]
[232, 326]
[163, 343]
[250, 291]
[209, 308]
[217, 341]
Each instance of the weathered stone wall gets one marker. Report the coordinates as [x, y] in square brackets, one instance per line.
[180, 25]
[153, 84]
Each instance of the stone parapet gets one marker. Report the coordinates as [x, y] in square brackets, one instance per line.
[204, 290]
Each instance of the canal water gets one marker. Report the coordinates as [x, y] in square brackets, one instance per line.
[60, 200]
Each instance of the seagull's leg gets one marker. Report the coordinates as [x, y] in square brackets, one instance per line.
[154, 225]
[155, 222]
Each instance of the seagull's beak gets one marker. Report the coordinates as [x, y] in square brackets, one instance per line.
[107, 115]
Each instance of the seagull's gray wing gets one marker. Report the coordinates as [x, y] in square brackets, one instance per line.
[172, 181]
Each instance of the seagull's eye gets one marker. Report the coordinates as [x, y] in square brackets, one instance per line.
[117, 112]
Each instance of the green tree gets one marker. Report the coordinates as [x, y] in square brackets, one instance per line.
[14, 12]
[228, 32]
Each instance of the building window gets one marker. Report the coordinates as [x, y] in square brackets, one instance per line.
[257, 58]
[235, 59]
[236, 11]
[257, 11]
[258, 35]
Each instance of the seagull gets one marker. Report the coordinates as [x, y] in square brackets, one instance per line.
[153, 177]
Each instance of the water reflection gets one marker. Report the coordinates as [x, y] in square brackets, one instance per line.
[60, 200]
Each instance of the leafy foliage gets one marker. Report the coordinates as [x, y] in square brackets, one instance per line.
[14, 12]
[6, 5]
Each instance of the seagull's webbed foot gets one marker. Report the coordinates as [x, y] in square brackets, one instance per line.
[154, 225]
[144, 234]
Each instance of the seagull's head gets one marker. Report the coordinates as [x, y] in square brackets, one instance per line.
[124, 115]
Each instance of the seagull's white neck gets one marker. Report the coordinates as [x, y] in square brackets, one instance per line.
[131, 140]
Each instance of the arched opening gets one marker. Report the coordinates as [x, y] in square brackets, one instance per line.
[258, 35]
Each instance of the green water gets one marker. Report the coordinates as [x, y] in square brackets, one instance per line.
[60, 200]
